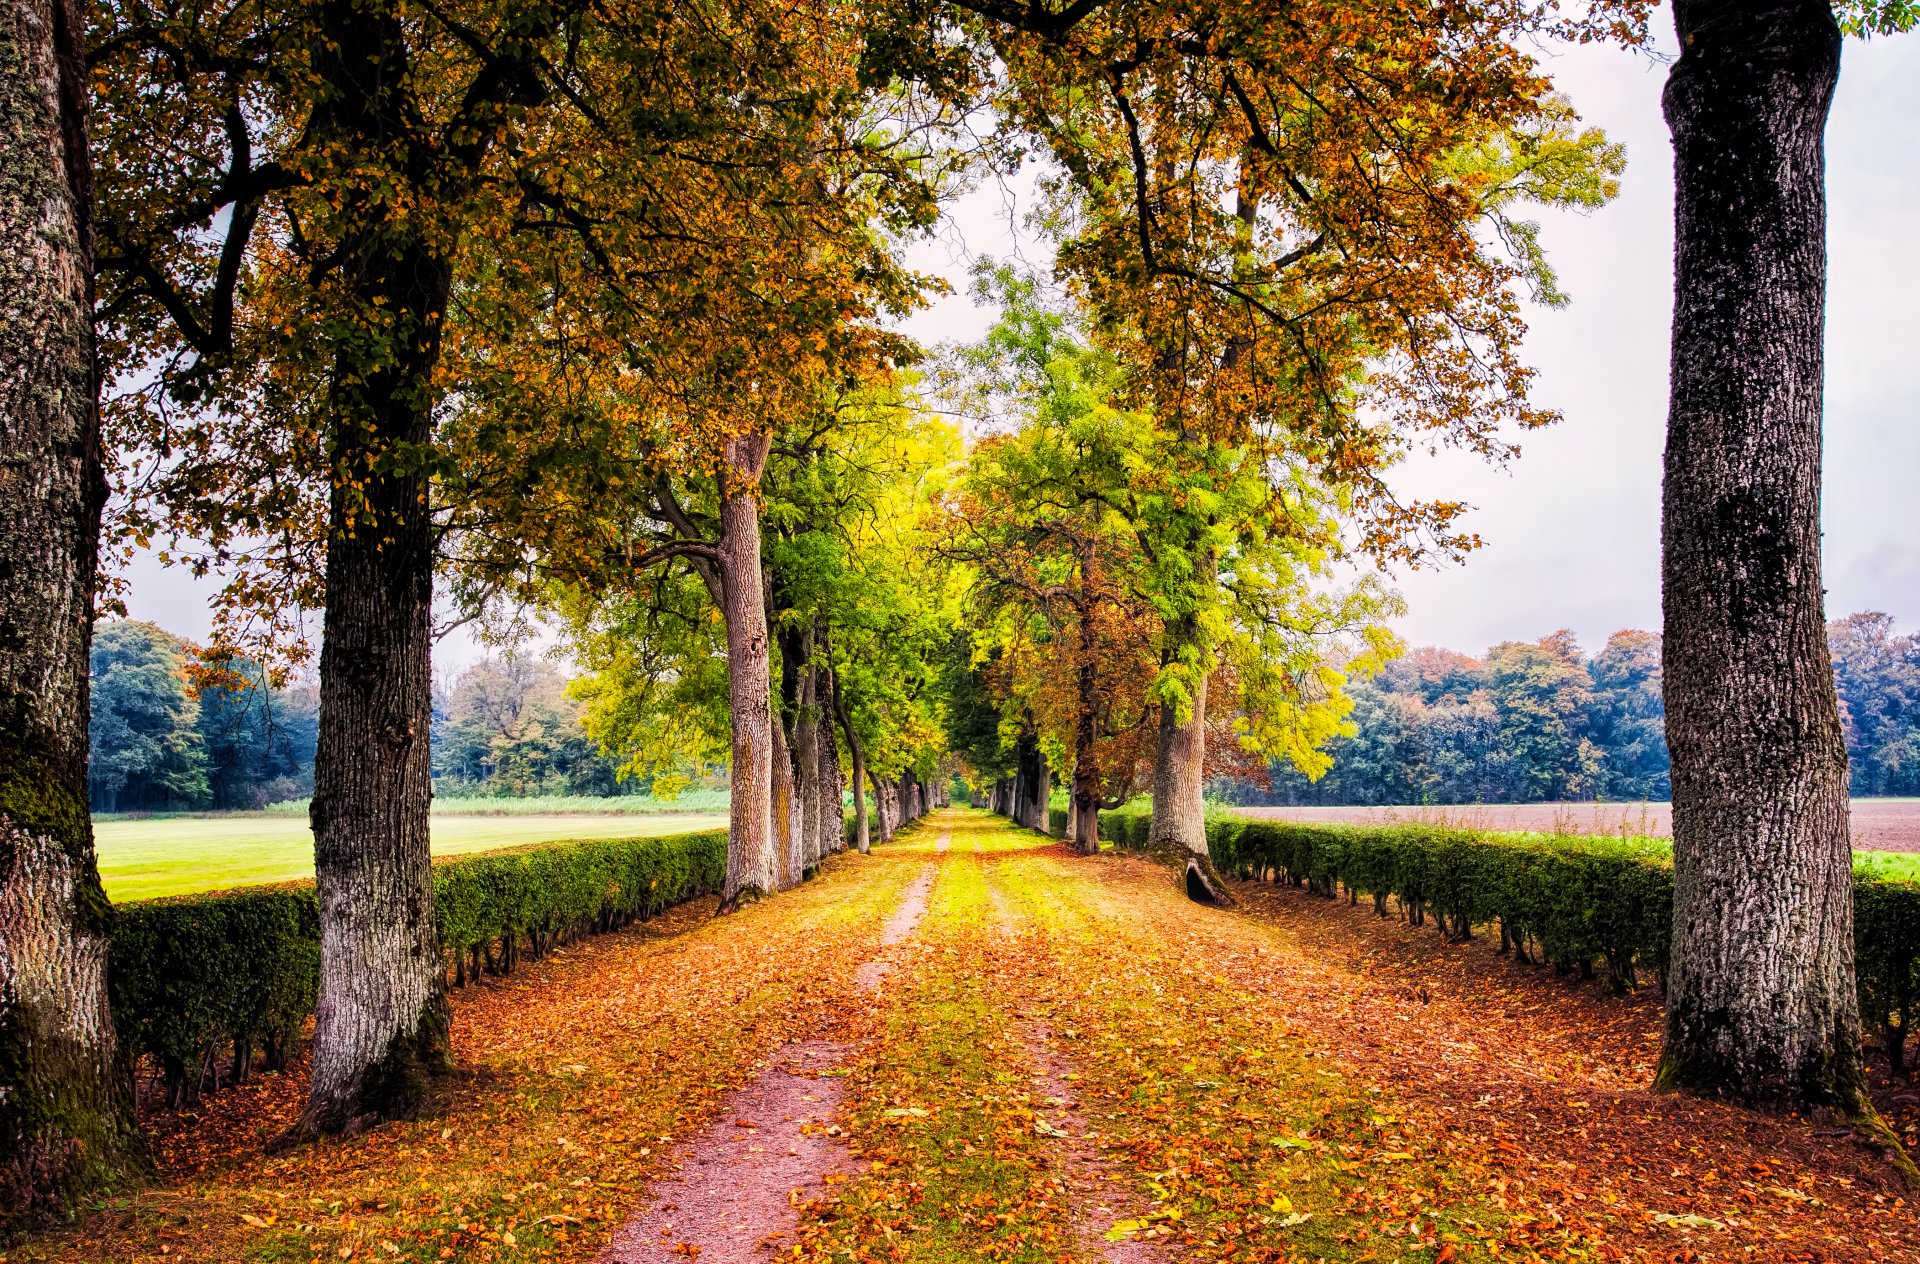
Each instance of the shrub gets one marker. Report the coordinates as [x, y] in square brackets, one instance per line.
[1576, 902]
[191, 975]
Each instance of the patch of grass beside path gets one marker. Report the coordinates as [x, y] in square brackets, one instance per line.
[143, 859]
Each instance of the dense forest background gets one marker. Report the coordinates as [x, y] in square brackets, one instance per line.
[170, 735]
[1526, 722]
[1542, 721]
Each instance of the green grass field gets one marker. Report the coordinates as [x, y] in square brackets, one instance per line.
[141, 859]
[1904, 866]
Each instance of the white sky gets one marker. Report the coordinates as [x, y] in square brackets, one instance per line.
[1572, 527]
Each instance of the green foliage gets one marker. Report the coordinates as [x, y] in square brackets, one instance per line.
[510, 727]
[1577, 902]
[143, 732]
[566, 888]
[191, 974]
[1867, 18]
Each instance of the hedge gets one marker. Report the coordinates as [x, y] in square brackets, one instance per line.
[192, 976]
[1576, 902]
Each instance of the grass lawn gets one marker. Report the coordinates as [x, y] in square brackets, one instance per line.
[141, 859]
[1888, 864]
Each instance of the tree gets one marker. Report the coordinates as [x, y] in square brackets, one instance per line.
[1091, 523]
[454, 173]
[1878, 676]
[66, 1117]
[259, 738]
[1628, 723]
[1761, 1001]
[1542, 694]
[1287, 223]
[509, 725]
[144, 727]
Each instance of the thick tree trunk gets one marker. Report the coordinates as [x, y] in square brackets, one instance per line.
[752, 861]
[1179, 779]
[1760, 997]
[66, 1119]
[381, 1028]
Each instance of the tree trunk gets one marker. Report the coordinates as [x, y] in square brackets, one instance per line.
[1086, 790]
[1179, 823]
[832, 821]
[858, 754]
[883, 816]
[1760, 999]
[797, 701]
[66, 1118]
[752, 862]
[1031, 789]
[785, 810]
[381, 1028]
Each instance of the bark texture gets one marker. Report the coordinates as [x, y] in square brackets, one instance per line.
[381, 1029]
[752, 862]
[1032, 786]
[66, 1120]
[1760, 1000]
[1179, 779]
[857, 757]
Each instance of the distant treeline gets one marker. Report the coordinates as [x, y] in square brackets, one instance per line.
[1530, 722]
[173, 733]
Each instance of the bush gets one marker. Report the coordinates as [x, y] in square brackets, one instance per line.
[190, 972]
[1574, 901]
[192, 975]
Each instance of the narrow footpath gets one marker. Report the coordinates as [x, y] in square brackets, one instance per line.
[974, 1045]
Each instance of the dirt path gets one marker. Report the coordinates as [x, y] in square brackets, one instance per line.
[740, 1187]
[1295, 1081]
[973, 1045]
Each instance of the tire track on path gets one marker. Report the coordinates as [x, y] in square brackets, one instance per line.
[739, 1187]
[1098, 1193]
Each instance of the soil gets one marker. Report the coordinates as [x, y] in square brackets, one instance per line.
[1100, 1192]
[742, 1185]
[738, 1187]
[1878, 824]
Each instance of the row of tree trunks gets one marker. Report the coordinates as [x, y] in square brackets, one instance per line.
[66, 1119]
[857, 758]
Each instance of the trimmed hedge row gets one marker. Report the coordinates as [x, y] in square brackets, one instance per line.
[193, 976]
[1574, 901]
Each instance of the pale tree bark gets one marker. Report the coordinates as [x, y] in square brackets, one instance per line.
[1179, 823]
[66, 1118]
[752, 861]
[832, 820]
[381, 1027]
[1760, 998]
[883, 815]
[857, 755]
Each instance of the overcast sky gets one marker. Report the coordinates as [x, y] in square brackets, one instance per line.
[1572, 527]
